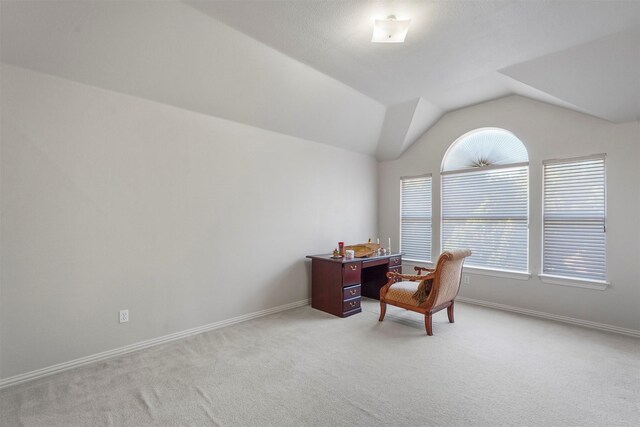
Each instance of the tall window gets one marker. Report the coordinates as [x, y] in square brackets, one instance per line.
[574, 218]
[415, 218]
[485, 199]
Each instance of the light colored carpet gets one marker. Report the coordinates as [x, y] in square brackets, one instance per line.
[306, 368]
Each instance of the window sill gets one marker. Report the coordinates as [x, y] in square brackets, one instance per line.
[415, 263]
[574, 282]
[476, 270]
[497, 273]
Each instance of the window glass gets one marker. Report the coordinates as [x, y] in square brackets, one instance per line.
[574, 218]
[485, 200]
[415, 218]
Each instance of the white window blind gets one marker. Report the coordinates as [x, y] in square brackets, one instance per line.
[574, 218]
[415, 218]
[487, 211]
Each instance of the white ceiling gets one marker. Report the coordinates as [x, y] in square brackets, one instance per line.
[169, 52]
[453, 51]
[583, 55]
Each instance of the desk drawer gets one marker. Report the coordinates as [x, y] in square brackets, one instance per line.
[396, 269]
[351, 273]
[374, 262]
[396, 260]
[352, 304]
[351, 292]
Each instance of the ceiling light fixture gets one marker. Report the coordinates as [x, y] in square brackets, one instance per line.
[390, 30]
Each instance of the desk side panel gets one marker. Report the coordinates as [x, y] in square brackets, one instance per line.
[326, 286]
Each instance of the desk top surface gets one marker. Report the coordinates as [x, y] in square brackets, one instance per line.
[328, 257]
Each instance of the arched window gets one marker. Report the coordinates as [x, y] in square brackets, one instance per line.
[485, 199]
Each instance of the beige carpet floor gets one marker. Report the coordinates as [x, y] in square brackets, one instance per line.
[306, 368]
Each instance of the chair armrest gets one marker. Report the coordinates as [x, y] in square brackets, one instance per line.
[420, 269]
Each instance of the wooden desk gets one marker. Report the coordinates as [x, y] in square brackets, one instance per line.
[338, 284]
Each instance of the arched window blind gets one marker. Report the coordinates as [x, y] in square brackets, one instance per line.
[485, 200]
[574, 218]
[415, 218]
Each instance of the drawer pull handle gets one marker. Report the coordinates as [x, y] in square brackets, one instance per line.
[352, 291]
[353, 304]
[353, 267]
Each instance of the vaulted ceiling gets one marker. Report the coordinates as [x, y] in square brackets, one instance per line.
[308, 68]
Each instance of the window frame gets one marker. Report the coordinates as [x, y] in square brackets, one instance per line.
[484, 269]
[490, 270]
[428, 176]
[562, 280]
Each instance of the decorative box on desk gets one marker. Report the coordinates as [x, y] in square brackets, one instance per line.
[338, 284]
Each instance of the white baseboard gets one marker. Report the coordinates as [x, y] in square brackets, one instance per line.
[54, 369]
[586, 323]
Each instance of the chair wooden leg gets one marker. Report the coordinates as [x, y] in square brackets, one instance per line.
[427, 324]
[383, 310]
[450, 312]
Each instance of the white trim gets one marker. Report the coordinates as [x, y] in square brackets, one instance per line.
[497, 273]
[564, 319]
[60, 367]
[424, 175]
[574, 282]
[599, 156]
[486, 168]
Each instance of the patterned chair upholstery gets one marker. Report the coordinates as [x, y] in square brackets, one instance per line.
[429, 293]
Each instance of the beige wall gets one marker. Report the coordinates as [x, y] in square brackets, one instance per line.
[110, 202]
[547, 132]
[113, 202]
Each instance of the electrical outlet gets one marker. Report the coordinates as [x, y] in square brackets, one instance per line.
[124, 316]
[465, 279]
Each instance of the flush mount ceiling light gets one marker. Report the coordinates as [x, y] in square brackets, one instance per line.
[390, 30]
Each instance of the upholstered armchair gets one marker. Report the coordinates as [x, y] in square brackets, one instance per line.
[429, 293]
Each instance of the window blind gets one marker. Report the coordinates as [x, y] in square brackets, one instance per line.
[574, 218]
[487, 212]
[415, 218]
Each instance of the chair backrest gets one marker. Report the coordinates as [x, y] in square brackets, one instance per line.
[446, 281]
